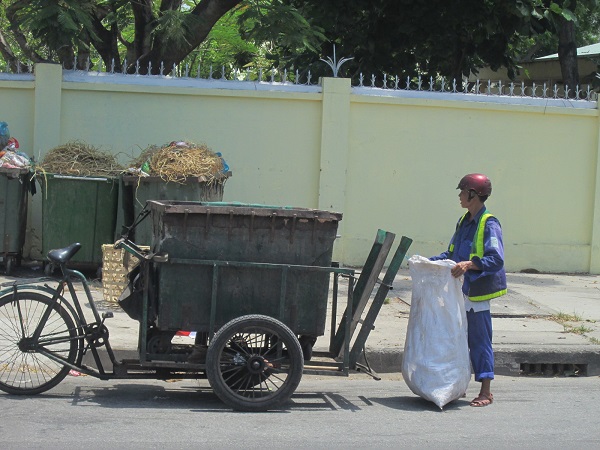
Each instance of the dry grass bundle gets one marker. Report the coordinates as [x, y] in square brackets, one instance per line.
[178, 160]
[80, 159]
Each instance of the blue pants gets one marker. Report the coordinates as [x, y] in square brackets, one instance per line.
[480, 344]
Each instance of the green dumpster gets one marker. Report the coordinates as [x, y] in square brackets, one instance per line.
[192, 232]
[14, 187]
[138, 190]
[79, 209]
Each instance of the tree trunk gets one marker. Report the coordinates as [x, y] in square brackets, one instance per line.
[567, 55]
[202, 19]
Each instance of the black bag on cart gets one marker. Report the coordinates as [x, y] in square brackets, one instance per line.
[131, 299]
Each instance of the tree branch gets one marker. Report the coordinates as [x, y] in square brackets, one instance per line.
[201, 20]
[143, 24]
[7, 53]
[20, 38]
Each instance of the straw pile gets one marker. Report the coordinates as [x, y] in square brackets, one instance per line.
[80, 159]
[178, 160]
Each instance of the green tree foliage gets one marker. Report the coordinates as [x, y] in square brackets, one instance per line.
[437, 37]
[145, 33]
[397, 37]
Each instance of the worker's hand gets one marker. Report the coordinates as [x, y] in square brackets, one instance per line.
[460, 268]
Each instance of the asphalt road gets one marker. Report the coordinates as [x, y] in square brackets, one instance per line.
[328, 412]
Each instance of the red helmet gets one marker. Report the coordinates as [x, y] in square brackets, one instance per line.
[476, 182]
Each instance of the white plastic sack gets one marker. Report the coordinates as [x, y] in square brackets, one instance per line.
[436, 363]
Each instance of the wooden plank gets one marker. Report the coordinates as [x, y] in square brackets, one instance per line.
[385, 286]
[364, 287]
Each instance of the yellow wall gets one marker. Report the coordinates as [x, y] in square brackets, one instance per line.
[406, 162]
[388, 162]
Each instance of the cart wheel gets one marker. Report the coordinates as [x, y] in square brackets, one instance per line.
[254, 363]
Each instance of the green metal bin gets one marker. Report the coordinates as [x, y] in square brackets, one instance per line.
[138, 190]
[14, 187]
[252, 236]
[79, 209]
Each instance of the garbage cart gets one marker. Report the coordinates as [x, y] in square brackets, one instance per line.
[253, 279]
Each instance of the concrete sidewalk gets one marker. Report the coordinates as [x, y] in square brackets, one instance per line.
[548, 324]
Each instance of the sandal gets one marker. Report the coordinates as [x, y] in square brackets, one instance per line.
[483, 400]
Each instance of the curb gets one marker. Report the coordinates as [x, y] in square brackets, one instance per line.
[524, 360]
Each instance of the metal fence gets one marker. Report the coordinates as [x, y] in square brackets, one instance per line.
[384, 84]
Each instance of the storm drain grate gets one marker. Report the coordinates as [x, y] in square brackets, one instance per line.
[550, 370]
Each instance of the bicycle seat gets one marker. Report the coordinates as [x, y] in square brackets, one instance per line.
[62, 255]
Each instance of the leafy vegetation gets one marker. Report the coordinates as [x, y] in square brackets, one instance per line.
[402, 38]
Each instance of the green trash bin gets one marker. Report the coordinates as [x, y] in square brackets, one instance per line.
[14, 187]
[138, 190]
[79, 209]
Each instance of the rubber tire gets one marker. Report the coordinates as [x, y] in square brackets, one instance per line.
[219, 352]
[40, 373]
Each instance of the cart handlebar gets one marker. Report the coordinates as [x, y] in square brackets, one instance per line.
[132, 248]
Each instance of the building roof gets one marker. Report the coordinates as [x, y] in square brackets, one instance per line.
[588, 50]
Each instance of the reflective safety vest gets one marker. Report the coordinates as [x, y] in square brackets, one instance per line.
[496, 282]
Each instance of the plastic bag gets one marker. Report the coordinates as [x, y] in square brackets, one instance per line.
[436, 363]
[131, 299]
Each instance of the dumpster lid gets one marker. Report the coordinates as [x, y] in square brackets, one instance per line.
[59, 176]
[14, 170]
[190, 207]
[135, 179]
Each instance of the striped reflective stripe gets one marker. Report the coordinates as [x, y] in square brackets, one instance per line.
[477, 250]
[477, 247]
[480, 298]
